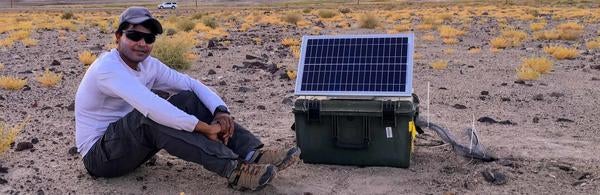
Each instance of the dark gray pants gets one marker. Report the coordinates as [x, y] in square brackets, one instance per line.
[133, 139]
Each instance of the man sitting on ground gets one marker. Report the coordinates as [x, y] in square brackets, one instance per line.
[121, 123]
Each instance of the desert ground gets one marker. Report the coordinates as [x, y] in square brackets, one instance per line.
[534, 68]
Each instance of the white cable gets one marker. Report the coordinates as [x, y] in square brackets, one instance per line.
[428, 121]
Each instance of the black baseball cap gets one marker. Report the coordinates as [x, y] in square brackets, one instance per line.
[139, 15]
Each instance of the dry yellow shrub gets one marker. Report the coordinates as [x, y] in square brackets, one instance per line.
[82, 38]
[6, 42]
[369, 21]
[593, 44]
[86, 57]
[547, 35]
[439, 64]
[29, 42]
[19, 35]
[49, 78]
[500, 43]
[12, 83]
[417, 56]
[1, 66]
[525, 73]
[428, 37]
[474, 50]
[449, 51]
[290, 42]
[537, 26]
[449, 32]
[295, 51]
[401, 28]
[291, 74]
[450, 41]
[8, 135]
[424, 27]
[539, 64]
[561, 52]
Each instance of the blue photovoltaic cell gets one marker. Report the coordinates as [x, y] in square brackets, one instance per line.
[352, 65]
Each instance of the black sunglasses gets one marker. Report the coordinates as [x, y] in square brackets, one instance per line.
[137, 36]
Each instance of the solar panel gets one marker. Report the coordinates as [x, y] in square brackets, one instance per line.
[356, 65]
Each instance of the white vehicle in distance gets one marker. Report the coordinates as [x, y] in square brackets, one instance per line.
[167, 5]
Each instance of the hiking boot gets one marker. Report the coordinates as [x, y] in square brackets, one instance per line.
[280, 158]
[251, 176]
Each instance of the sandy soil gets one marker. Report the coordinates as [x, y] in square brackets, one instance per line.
[550, 149]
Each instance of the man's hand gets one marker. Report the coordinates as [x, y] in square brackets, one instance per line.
[210, 131]
[227, 125]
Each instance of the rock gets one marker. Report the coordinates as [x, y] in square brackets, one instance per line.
[211, 72]
[595, 79]
[583, 175]
[459, 106]
[212, 44]
[521, 82]
[536, 119]
[485, 93]
[3, 169]
[23, 146]
[26, 88]
[222, 83]
[564, 120]
[40, 192]
[2, 98]
[250, 57]
[55, 63]
[244, 89]
[556, 94]
[287, 101]
[506, 122]
[261, 107]
[151, 161]
[503, 84]
[538, 97]
[209, 54]
[35, 140]
[71, 107]
[488, 120]
[25, 72]
[494, 177]
[505, 99]
[3, 181]
[73, 150]
[595, 67]
[443, 88]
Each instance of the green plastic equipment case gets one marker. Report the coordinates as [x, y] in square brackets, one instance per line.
[373, 132]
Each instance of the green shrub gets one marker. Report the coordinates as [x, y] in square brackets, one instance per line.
[198, 16]
[172, 51]
[368, 21]
[345, 10]
[292, 18]
[185, 25]
[210, 22]
[326, 13]
[307, 10]
[67, 15]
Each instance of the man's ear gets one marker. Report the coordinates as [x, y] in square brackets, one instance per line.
[118, 36]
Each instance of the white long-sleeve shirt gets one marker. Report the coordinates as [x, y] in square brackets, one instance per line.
[110, 89]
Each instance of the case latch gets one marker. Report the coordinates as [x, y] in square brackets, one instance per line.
[314, 110]
[388, 114]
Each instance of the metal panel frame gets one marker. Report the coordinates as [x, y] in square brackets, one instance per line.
[409, 67]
